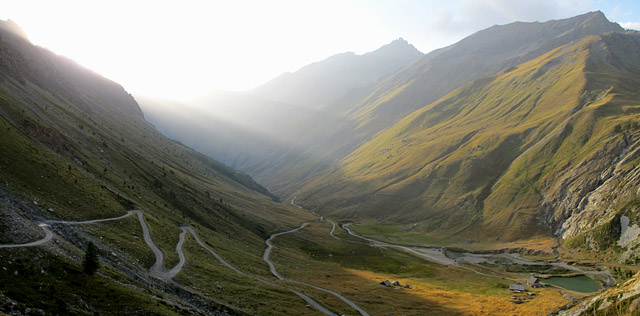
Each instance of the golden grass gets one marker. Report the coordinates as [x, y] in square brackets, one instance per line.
[355, 271]
[473, 304]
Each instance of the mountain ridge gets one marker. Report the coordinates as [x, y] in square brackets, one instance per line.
[336, 75]
[467, 173]
[314, 135]
[423, 81]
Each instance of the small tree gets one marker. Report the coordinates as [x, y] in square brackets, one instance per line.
[90, 262]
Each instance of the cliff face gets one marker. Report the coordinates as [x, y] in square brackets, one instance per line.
[595, 202]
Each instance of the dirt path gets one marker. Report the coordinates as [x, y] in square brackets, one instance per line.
[267, 251]
[47, 237]
[272, 267]
[311, 302]
[157, 269]
[93, 221]
[181, 255]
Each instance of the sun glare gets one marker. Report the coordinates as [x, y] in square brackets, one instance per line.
[183, 49]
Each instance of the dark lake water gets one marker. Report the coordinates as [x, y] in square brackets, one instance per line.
[580, 283]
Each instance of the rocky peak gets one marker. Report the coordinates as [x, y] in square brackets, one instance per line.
[397, 48]
[12, 27]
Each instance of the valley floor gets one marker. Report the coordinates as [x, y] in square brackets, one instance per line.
[335, 271]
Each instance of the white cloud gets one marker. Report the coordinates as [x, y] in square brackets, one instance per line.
[631, 25]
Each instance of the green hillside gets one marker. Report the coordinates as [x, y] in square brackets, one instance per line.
[484, 161]
[75, 146]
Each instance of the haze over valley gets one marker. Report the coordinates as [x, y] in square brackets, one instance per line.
[485, 163]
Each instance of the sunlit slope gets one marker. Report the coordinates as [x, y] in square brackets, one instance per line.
[476, 163]
[359, 115]
[479, 55]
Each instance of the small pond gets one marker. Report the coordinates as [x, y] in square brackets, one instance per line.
[579, 283]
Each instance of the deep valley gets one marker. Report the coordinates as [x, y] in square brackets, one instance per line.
[499, 175]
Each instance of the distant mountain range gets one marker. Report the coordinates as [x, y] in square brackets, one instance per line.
[472, 141]
[322, 82]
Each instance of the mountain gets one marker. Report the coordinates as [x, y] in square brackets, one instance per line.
[435, 143]
[320, 83]
[542, 148]
[336, 105]
[287, 128]
[76, 147]
[479, 55]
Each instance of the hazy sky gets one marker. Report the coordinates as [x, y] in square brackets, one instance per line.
[180, 49]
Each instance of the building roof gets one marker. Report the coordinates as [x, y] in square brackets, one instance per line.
[517, 287]
[532, 280]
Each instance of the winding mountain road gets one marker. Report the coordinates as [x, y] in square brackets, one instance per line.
[433, 255]
[93, 221]
[267, 251]
[171, 273]
[49, 234]
[333, 229]
[311, 302]
[157, 269]
[47, 237]
[272, 267]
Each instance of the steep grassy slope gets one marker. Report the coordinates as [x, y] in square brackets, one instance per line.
[338, 104]
[482, 162]
[480, 55]
[75, 146]
[363, 113]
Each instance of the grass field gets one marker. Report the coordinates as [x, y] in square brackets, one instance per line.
[355, 270]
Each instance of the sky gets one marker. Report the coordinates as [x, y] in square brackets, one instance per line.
[184, 49]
